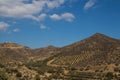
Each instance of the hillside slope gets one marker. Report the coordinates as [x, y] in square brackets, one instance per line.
[12, 52]
[44, 53]
[93, 58]
[96, 50]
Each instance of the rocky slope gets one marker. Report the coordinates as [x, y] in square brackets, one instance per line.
[13, 52]
[96, 50]
[93, 58]
[44, 53]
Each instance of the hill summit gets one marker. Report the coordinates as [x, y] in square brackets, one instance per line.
[10, 45]
[97, 49]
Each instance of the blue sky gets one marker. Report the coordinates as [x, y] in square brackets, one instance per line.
[39, 23]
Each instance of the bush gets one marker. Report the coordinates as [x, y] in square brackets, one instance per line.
[2, 66]
[19, 74]
[3, 76]
[8, 70]
[37, 77]
[73, 68]
[109, 75]
[40, 72]
[116, 69]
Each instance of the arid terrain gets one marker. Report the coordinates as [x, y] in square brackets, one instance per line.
[94, 58]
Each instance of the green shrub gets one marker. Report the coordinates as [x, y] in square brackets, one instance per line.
[3, 76]
[109, 75]
[1, 65]
[40, 72]
[19, 74]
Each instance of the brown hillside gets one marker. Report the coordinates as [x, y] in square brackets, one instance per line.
[46, 52]
[13, 52]
[95, 50]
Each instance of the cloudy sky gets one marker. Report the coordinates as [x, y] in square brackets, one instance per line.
[39, 23]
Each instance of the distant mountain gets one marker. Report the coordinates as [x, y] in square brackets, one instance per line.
[13, 52]
[94, 58]
[98, 49]
[10, 45]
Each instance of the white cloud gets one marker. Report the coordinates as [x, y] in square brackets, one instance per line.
[19, 8]
[54, 3]
[3, 26]
[38, 18]
[25, 9]
[55, 17]
[42, 17]
[89, 4]
[68, 16]
[16, 30]
[65, 16]
[43, 26]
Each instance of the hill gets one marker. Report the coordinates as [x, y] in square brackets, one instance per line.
[98, 49]
[10, 52]
[93, 58]
[44, 53]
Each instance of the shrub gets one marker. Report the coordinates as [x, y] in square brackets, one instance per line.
[19, 74]
[40, 72]
[37, 77]
[109, 75]
[116, 69]
[3, 76]
[2, 66]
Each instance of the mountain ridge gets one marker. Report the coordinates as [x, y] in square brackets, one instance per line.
[96, 48]
[94, 35]
[97, 55]
[96, 42]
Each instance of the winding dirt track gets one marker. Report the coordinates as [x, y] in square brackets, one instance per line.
[52, 65]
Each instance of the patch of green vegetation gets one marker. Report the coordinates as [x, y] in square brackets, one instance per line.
[1, 65]
[109, 75]
[3, 75]
[34, 63]
[18, 74]
[42, 65]
[41, 62]
[10, 70]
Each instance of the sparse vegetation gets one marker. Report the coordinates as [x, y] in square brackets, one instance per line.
[95, 58]
[3, 75]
